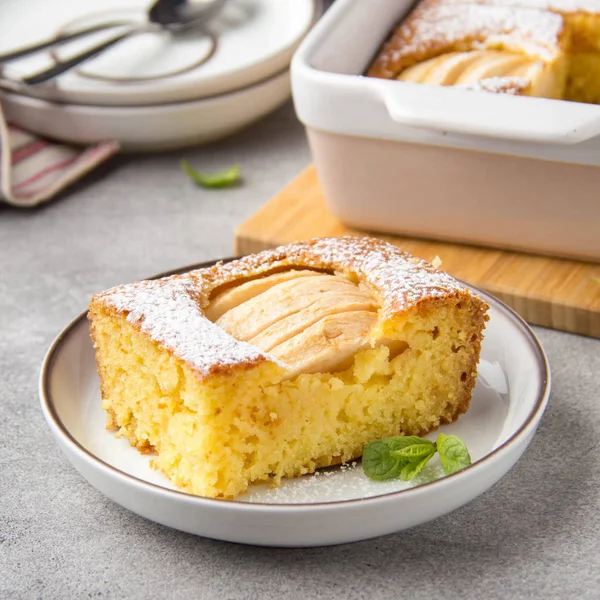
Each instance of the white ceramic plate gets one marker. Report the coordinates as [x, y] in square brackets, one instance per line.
[338, 504]
[150, 128]
[250, 41]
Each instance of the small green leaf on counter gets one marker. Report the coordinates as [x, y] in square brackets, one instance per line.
[220, 179]
[454, 455]
[404, 456]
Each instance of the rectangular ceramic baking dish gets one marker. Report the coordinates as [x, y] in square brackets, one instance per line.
[442, 162]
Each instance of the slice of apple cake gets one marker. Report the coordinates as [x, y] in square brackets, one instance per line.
[285, 361]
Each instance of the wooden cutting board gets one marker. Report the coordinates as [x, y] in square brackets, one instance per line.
[557, 293]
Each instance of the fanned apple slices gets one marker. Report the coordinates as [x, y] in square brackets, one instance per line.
[311, 321]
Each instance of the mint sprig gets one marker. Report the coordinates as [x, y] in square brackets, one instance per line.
[403, 457]
[396, 457]
[220, 179]
[454, 455]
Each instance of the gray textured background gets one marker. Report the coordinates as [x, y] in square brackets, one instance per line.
[534, 535]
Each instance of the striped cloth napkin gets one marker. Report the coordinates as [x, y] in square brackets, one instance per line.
[34, 169]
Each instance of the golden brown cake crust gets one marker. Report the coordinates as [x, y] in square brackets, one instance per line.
[170, 310]
[438, 26]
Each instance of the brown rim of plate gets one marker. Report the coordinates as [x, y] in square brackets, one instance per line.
[51, 414]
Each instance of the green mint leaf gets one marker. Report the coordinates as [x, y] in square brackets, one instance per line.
[411, 469]
[414, 448]
[378, 461]
[454, 455]
[212, 180]
[396, 457]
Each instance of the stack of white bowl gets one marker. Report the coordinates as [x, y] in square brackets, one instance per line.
[153, 90]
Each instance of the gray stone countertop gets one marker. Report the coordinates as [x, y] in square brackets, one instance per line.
[536, 534]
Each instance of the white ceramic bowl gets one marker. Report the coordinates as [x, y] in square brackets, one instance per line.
[150, 128]
[340, 505]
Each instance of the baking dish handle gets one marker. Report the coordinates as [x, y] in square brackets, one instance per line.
[454, 110]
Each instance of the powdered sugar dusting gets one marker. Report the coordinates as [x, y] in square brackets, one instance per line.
[564, 6]
[346, 482]
[170, 310]
[438, 26]
[167, 311]
[514, 86]
[401, 280]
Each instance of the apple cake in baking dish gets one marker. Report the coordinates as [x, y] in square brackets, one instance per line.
[285, 361]
[542, 48]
